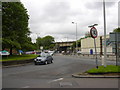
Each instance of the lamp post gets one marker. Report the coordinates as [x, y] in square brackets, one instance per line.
[104, 63]
[61, 45]
[37, 38]
[66, 44]
[76, 36]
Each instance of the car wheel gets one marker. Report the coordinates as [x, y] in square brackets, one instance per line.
[46, 62]
[51, 61]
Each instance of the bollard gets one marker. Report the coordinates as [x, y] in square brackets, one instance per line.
[102, 60]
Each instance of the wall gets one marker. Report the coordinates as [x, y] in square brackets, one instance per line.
[88, 43]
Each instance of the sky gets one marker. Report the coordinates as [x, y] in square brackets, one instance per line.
[55, 17]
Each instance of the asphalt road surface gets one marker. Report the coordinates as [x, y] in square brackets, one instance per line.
[55, 75]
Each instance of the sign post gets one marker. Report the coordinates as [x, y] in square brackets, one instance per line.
[93, 33]
[115, 40]
[41, 47]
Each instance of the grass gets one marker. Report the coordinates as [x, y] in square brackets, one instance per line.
[107, 69]
[18, 57]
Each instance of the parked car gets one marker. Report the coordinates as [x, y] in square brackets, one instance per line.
[79, 52]
[4, 53]
[38, 53]
[30, 52]
[44, 59]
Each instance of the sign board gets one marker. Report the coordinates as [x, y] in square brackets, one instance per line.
[93, 32]
[115, 37]
[41, 47]
[108, 42]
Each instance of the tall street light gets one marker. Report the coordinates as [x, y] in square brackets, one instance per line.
[76, 36]
[104, 33]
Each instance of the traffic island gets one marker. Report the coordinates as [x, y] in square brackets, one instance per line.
[111, 71]
[87, 75]
[17, 60]
[16, 63]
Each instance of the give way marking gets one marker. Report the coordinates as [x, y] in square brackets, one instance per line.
[56, 80]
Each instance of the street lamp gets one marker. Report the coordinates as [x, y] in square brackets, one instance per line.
[104, 14]
[76, 36]
[61, 45]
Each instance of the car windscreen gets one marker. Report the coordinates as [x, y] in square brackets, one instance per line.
[44, 54]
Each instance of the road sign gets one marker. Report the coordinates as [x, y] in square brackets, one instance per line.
[41, 47]
[93, 32]
[115, 37]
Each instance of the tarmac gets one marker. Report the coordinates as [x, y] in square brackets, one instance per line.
[77, 75]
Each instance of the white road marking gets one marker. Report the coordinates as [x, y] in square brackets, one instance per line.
[62, 84]
[26, 87]
[56, 80]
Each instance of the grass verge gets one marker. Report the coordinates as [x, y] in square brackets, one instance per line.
[107, 69]
[18, 57]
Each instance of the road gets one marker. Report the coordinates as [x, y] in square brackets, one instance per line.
[55, 75]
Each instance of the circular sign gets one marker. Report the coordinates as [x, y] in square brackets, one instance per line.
[93, 32]
[41, 47]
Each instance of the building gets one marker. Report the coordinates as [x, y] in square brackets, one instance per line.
[87, 45]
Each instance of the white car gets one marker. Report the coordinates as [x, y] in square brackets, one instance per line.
[51, 52]
[79, 52]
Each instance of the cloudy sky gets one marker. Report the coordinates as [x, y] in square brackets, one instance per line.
[55, 17]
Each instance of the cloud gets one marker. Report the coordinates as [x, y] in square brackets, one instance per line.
[55, 17]
[98, 5]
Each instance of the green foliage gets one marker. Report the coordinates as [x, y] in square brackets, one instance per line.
[28, 46]
[7, 43]
[15, 29]
[116, 30]
[18, 57]
[102, 69]
[46, 42]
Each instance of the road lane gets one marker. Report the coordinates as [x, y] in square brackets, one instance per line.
[51, 75]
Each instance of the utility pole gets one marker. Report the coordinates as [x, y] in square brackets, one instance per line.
[104, 14]
[37, 38]
[76, 37]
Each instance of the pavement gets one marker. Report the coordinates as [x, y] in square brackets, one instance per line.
[86, 75]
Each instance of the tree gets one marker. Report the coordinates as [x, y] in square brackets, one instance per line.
[47, 42]
[116, 30]
[28, 45]
[38, 42]
[15, 29]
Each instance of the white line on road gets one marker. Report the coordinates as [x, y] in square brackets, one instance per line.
[56, 80]
[26, 87]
